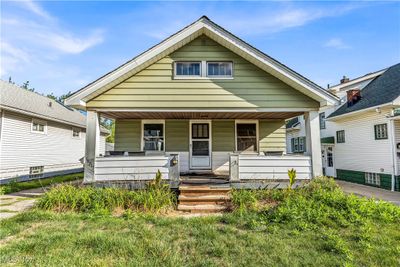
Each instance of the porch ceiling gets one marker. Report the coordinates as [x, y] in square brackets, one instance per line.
[200, 115]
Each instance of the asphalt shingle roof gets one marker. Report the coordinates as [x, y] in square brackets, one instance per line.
[18, 99]
[383, 89]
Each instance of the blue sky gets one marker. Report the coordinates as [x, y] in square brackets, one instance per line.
[62, 46]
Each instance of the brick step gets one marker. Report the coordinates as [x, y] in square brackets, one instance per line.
[204, 199]
[205, 208]
[203, 189]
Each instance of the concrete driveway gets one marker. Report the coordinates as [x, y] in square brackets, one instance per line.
[370, 192]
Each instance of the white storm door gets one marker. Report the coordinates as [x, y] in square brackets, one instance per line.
[200, 145]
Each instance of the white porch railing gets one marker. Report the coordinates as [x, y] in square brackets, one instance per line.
[134, 168]
[259, 167]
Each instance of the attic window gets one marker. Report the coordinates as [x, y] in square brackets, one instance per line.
[219, 69]
[188, 69]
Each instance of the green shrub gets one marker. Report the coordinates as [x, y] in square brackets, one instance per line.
[319, 203]
[101, 200]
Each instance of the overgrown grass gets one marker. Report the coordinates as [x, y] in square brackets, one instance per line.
[107, 200]
[314, 226]
[19, 186]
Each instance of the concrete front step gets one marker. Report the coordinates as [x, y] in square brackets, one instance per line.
[204, 208]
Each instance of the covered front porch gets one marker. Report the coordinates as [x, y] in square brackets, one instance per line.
[244, 147]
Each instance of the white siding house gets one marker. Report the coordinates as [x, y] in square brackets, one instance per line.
[361, 157]
[39, 137]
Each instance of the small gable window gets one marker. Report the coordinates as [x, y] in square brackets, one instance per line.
[219, 69]
[381, 131]
[39, 126]
[340, 137]
[188, 69]
[76, 133]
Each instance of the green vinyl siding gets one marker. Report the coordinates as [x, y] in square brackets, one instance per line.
[359, 178]
[272, 135]
[177, 135]
[223, 135]
[155, 86]
[127, 135]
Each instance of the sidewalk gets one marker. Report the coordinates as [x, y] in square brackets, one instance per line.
[14, 203]
[370, 192]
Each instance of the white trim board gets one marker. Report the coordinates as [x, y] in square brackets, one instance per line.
[210, 29]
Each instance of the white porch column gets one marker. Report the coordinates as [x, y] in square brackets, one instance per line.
[91, 146]
[313, 141]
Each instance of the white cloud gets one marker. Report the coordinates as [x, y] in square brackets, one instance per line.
[35, 8]
[336, 43]
[36, 37]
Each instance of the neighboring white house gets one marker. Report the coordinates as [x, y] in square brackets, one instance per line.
[360, 138]
[39, 137]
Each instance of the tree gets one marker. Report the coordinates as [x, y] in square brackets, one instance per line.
[26, 86]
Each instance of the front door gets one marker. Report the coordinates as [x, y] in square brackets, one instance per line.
[327, 161]
[200, 145]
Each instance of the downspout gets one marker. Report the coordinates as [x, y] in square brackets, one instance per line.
[393, 152]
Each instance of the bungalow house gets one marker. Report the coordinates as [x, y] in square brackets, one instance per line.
[202, 101]
[39, 137]
[360, 137]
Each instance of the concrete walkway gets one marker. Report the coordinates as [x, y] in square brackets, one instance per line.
[370, 192]
[14, 203]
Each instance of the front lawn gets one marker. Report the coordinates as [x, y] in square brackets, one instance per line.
[314, 226]
[19, 186]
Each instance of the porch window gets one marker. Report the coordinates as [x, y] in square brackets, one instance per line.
[219, 69]
[246, 137]
[188, 69]
[153, 137]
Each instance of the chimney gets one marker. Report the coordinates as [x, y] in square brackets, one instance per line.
[353, 96]
[344, 80]
[50, 104]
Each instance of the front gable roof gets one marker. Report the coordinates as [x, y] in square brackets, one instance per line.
[384, 89]
[213, 31]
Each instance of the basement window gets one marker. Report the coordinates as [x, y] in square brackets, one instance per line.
[36, 172]
[372, 178]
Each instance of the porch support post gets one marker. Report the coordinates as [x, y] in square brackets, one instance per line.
[91, 146]
[313, 141]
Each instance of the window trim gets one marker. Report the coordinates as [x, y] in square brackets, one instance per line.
[376, 132]
[322, 123]
[219, 76]
[79, 133]
[337, 137]
[256, 122]
[176, 76]
[143, 122]
[44, 123]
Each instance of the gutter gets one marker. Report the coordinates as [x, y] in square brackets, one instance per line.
[392, 143]
[358, 111]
